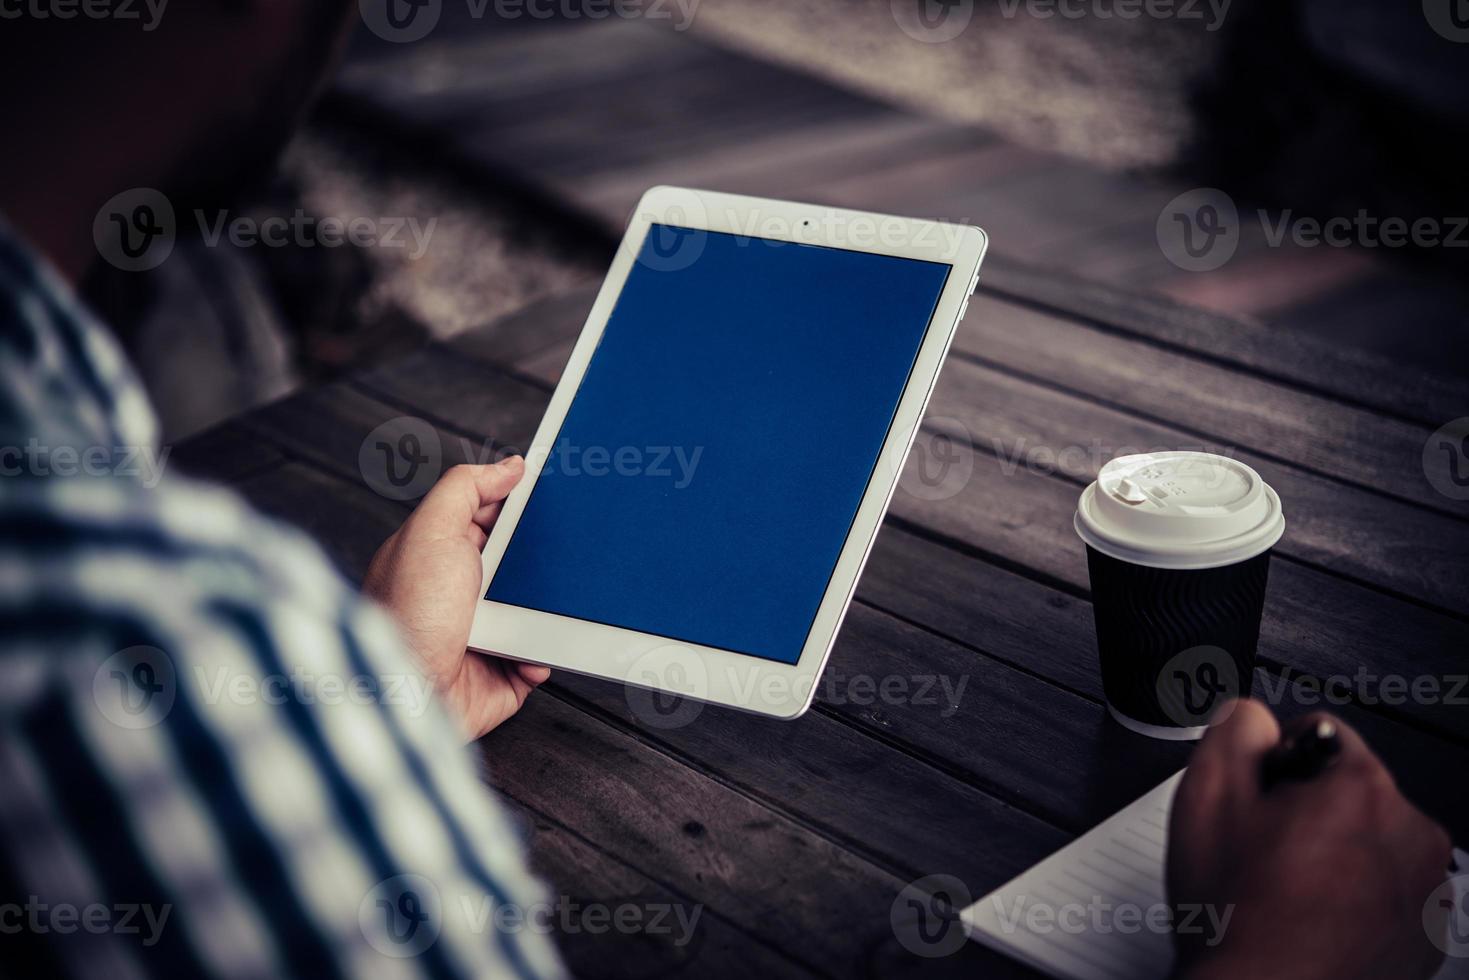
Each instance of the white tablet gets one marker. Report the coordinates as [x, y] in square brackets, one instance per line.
[712, 469]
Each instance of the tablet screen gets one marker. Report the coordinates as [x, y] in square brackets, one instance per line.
[713, 459]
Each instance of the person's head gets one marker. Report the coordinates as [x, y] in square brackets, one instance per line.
[191, 97]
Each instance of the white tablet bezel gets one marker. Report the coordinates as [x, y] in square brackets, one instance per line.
[707, 673]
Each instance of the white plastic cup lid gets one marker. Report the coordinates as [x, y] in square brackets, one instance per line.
[1185, 510]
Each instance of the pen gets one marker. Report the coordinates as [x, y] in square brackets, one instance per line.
[1301, 756]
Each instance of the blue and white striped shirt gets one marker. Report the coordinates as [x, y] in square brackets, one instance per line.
[216, 759]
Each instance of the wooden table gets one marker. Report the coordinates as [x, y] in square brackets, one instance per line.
[795, 838]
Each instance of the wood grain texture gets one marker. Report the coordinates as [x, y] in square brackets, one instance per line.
[812, 141]
[1314, 623]
[673, 935]
[1053, 423]
[318, 504]
[1048, 633]
[1318, 434]
[1317, 622]
[1308, 361]
[687, 829]
[228, 452]
[801, 834]
[1023, 518]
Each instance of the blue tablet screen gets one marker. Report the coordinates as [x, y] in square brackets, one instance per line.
[713, 459]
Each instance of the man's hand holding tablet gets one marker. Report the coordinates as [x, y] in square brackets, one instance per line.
[427, 575]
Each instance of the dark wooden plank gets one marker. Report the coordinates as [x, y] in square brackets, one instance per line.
[329, 425]
[465, 394]
[1397, 546]
[348, 525]
[1049, 634]
[624, 96]
[1313, 622]
[490, 72]
[581, 876]
[1309, 361]
[802, 163]
[227, 452]
[1012, 733]
[817, 765]
[586, 876]
[523, 335]
[1264, 282]
[1427, 315]
[498, 100]
[1275, 421]
[758, 868]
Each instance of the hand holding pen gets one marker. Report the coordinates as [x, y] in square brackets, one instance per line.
[1301, 834]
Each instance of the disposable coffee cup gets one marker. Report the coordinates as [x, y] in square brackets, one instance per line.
[1178, 551]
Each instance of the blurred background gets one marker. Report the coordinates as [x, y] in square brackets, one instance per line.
[1287, 167]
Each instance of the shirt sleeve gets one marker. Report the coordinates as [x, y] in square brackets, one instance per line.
[216, 760]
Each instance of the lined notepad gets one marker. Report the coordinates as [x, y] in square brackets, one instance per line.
[1093, 910]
